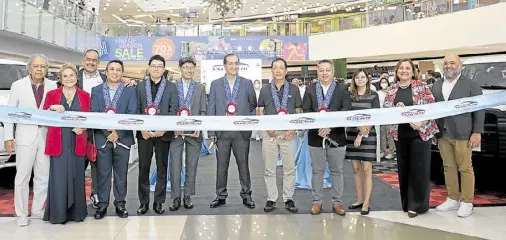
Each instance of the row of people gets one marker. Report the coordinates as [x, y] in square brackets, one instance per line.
[229, 96]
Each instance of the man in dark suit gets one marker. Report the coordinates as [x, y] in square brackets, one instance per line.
[155, 96]
[327, 144]
[192, 102]
[459, 135]
[113, 146]
[229, 96]
[87, 78]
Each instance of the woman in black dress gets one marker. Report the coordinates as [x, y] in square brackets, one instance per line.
[361, 141]
[66, 198]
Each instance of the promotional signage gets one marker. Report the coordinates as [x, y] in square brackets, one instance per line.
[211, 70]
[204, 48]
[243, 123]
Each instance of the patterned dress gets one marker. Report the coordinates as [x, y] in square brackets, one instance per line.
[367, 149]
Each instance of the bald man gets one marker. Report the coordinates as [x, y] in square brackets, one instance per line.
[460, 134]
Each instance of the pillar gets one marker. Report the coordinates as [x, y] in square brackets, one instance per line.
[340, 68]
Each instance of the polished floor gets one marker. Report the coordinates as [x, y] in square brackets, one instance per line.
[486, 223]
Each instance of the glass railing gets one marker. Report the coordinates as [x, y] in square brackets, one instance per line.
[62, 23]
[371, 15]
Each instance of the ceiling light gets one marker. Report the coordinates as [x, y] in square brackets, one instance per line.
[121, 9]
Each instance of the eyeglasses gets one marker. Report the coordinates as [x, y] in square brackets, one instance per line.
[188, 68]
[157, 66]
[39, 66]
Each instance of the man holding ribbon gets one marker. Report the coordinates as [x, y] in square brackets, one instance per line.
[327, 144]
[279, 98]
[113, 146]
[155, 96]
[232, 95]
[192, 102]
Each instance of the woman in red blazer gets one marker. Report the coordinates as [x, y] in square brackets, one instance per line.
[66, 198]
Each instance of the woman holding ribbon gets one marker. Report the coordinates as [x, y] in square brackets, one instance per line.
[113, 146]
[326, 144]
[361, 147]
[412, 140]
[155, 96]
[192, 102]
[66, 198]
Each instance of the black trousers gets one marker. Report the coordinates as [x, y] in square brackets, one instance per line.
[162, 160]
[110, 161]
[413, 163]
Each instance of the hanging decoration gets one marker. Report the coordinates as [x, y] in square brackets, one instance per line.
[225, 6]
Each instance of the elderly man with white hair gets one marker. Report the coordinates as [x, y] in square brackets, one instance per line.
[29, 140]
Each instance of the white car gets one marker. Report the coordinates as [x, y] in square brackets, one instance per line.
[10, 71]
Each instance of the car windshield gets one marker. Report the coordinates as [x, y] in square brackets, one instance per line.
[10, 73]
[487, 75]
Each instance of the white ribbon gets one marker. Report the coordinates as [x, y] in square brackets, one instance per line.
[247, 123]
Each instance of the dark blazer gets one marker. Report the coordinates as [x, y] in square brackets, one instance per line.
[340, 101]
[199, 103]
[127, 105]
[54, 140]
[168, 106]
[246, 101]
[463, 125]
[80, 77]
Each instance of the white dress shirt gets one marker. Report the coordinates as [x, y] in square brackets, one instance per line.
[448, 87]
[89, 83]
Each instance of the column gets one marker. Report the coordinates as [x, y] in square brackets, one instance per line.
[340, 68]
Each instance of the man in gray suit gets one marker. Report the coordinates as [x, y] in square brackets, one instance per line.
[192, 102]
[229, 96]
[460, 134]
[156, 96]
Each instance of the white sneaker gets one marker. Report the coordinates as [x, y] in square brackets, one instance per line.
[448, 205]
[37, 215]
[465, 210]
[22, 221]
[390, 156]
[382, 155]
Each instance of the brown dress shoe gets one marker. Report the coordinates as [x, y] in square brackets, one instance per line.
[316, 209]
[339, 209]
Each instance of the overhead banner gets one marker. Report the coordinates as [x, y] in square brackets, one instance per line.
[242, 123]
[290, 48]
[211, 70]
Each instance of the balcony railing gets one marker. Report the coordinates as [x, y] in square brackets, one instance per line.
[62, 23]
[372, 15]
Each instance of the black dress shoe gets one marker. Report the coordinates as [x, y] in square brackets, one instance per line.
[100, 213]
[290, 206]
[142, 209]
[176, 204]
[248, 203]
[187, 202]
[269, 206]
[217, 202]
[121, 212]
[365, 212]
[355, 206]
[158, 207]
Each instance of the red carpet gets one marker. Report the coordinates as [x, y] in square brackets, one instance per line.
[7, 199]
[438, 193]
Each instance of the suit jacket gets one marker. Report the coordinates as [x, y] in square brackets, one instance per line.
[21, 95]
[80, 77]
[54, 139]
[127, 104]
[168, 105]
[198, 103]
[340, 101]
[421, 95]
[246, 101]
[463, 125]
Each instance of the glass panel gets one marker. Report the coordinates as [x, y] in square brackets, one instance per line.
[47, 27]
[487, 2]
[32, 20]
[14, 14]
[60, 32]
[2, 10]
[71, 36]
[256, 30]
[81, 38]
[206, 30]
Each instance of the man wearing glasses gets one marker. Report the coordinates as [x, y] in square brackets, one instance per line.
[192, 102]
[155, 96]
[30, 140]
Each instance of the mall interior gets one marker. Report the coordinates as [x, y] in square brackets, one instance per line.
[353, 34]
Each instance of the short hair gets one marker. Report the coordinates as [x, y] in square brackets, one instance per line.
[385, 71]
[67, 66]
[92, 50]
[30, 60]
[326, 61]
[396, 78]
[157, 58]
[187, 59]
[279, 60]
[230, 55]
[115, 61]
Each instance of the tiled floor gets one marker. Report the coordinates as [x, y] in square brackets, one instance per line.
[485, 223]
